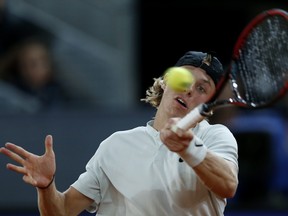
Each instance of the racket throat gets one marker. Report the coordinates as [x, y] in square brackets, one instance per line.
[205, 110]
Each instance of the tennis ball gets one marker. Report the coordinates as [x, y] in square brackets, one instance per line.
[178, 78]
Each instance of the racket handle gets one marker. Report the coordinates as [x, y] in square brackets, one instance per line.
[188, 121]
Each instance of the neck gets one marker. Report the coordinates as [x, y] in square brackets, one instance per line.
[160, 120]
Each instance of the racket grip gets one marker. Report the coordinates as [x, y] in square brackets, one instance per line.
[188, 121]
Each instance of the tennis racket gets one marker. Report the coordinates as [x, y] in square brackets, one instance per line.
[258, 72]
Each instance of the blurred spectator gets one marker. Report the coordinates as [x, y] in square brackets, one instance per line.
[29, 68]
[27, 72]
[14, 29]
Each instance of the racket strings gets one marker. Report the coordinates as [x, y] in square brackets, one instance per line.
[263, 61]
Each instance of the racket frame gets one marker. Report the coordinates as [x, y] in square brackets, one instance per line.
[205, 110]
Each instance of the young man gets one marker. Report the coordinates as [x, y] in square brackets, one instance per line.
[149, 170]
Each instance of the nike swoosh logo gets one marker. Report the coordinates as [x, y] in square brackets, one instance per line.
[198, 145]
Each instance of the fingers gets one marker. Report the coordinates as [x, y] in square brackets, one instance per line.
[171, 122]
[29, 180]
[49, 144]
[179, 134]
[171, 125]
[175, 141]
[17, 154]
[17, 169]
[14, 152]
[17, 149]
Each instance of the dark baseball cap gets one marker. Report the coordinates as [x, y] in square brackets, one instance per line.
[205, 61]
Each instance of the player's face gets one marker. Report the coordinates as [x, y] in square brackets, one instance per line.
[178, 104]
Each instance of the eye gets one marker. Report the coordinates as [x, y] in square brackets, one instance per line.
[201, 89]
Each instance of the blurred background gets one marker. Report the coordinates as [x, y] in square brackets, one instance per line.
[78, 69]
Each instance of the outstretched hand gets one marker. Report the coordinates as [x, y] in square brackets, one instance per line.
[37, 170]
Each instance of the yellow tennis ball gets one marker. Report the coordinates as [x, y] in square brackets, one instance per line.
[178, 78]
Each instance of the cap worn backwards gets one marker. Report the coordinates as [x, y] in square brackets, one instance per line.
[206, 61]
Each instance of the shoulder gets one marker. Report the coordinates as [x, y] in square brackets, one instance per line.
[124, 136]
[128, 132]
[219, 139]
[204, 127]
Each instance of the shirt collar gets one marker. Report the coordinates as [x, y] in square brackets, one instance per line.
[153, 132]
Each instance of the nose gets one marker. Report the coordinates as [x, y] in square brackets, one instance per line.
[189, 90]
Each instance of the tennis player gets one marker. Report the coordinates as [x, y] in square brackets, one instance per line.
[148, 170]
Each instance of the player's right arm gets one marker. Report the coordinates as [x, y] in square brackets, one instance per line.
[51, 202]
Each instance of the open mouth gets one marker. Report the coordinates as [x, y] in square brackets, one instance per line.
[181, 102]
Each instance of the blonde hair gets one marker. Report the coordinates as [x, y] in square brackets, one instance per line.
[154, 93]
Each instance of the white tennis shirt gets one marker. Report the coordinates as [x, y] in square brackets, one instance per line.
[133, 174]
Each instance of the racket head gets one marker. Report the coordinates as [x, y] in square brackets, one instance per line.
[259, 67]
